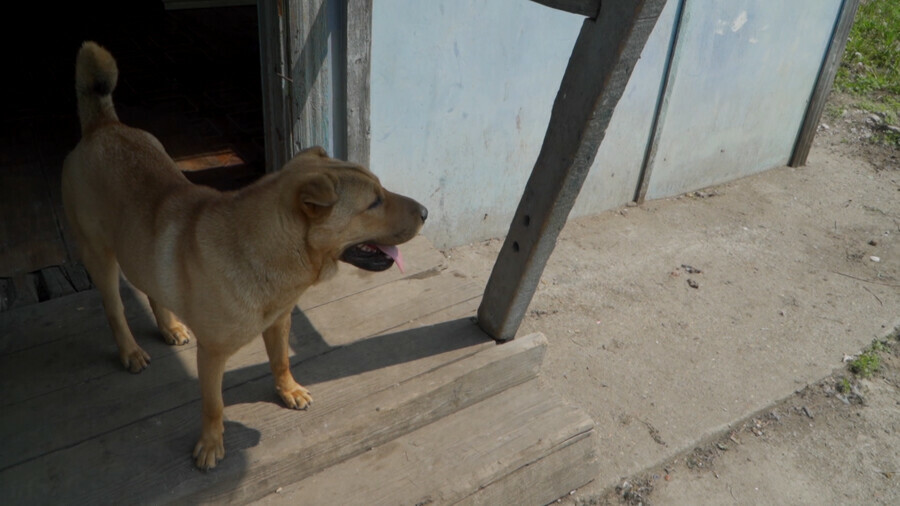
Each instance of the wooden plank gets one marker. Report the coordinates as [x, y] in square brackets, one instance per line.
[148, 460]
[77, 275]
[388, 306]
[59, 319]
[205, 4]
[206, 161]
[29, 235]
[275, 89]
[6, 297]
[598, 70]
[54, 283]
[824, 82]
[25, 290]
[543, 481]
[588, 8]
[463, 310]
[306, 26]
[453, 459]
[359, 58]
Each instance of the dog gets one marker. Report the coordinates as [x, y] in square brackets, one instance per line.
[218, 267]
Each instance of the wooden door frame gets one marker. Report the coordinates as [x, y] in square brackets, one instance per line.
[295, 105]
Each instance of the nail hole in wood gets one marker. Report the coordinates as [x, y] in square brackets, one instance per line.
[516, 247]
[527, 220]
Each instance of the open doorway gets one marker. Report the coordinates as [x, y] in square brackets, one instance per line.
[188, 76]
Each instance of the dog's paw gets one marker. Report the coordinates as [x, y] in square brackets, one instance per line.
[177, 334]
[209, 451]
[135, 360]
[295, 396]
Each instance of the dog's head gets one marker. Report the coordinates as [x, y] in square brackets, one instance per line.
[347, 214]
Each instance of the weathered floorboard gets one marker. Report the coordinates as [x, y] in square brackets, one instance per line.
[358, 72]
[269, 446]
[456, 457]
[601, 63]
[388, 306]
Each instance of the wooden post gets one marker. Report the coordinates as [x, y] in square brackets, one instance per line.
[604, 56]
[823, 84]
[359, 56]
[589, 8]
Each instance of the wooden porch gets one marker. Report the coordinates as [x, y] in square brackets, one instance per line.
[413, 403]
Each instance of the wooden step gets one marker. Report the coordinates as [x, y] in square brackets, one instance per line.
[366, 394]
[522, 446]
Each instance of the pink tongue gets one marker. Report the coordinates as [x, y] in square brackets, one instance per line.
[393, 252]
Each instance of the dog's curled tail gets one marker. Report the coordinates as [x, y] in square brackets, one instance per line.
[96, 74]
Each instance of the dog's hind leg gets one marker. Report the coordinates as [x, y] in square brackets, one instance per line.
[276, 337]
[173, 330]
[104, 270]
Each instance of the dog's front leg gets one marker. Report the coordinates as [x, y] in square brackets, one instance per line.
[277, 346]
[211, 368]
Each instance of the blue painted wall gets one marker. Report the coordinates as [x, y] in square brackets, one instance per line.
[462, 92]
[742, 77]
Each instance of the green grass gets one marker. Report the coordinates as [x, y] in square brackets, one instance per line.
[844, 386]
[868, 362]
[871, 63]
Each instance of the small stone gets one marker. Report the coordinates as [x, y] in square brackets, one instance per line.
[875, 258]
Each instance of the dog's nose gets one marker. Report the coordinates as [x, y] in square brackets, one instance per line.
[423, 212]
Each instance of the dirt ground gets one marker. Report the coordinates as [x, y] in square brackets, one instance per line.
[703, 333]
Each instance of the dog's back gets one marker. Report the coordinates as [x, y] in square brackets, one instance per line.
[114, 166]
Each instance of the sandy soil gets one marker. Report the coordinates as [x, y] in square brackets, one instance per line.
[681, 324]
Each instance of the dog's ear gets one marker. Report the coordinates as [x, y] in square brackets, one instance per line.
[315, 151]
[316, 195]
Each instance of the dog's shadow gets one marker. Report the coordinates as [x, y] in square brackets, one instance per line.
[314, 361]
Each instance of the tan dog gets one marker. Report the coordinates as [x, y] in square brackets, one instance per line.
[228, 265]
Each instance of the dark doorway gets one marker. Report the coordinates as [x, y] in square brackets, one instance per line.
[190, 77]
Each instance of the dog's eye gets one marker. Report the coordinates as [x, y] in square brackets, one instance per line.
[376, 203]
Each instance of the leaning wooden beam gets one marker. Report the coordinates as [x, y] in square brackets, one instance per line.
[588, 8]
[823, 83]
[602, 61]
[359, 55]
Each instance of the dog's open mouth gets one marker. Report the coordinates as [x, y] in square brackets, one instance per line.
[373, 257]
